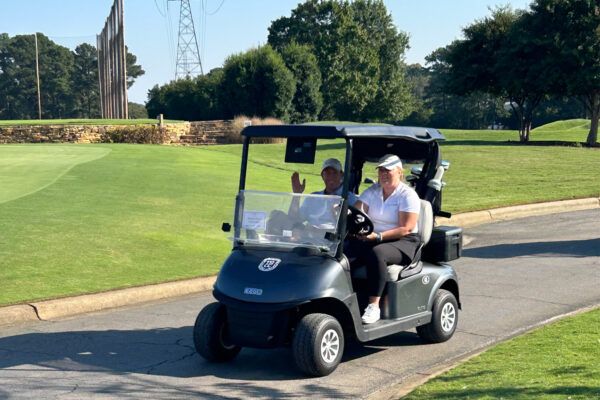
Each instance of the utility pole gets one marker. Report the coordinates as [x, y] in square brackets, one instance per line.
[188, 55]
[37, 74]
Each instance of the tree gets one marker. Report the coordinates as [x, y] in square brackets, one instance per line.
[567, 31]
[257, 83]
[359, 53]
[134, 70]
[85, 81]
[137, 111]
[68, 80]
[307, 101]
[497, 57]
[17, 61]
[207, 98]
[156, 101]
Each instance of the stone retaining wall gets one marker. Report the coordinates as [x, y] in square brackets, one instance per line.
[186, 133]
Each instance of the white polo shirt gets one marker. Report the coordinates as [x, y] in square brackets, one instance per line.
[385, 213]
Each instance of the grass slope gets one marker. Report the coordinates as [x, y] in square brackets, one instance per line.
[558, 361]
[27, 169]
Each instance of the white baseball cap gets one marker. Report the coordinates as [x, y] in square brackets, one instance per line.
[389, 162]
[333, 163]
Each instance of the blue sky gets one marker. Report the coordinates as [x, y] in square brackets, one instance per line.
[233, 26]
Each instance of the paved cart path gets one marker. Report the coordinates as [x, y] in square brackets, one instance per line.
[513, 275]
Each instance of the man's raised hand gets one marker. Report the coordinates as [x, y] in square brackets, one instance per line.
[296, 186]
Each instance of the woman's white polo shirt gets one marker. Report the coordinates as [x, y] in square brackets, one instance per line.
[385, 213]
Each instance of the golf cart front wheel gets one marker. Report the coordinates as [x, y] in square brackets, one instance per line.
[318, 344]
[444, 318]
[210, 332]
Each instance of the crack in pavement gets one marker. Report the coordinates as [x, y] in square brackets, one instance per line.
[478, 334]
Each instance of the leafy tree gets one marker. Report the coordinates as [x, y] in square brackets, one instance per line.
[188, 99]
[497, 58]
[156, 101]
[567, 32]
[359, 53]
[207, 96]
[257, 83]
[68, 80]
[18, 83]
[307, 101]
[137, 111]
[134, 70]
[85, 81]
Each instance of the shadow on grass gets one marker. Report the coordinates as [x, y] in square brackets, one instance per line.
[475, 143]
[568, 248]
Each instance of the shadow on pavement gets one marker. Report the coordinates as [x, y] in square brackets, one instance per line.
[568, 248]
[163, 352]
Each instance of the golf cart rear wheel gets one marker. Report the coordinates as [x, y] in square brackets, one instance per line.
[444, 318]
[210, 332]
[318, 344]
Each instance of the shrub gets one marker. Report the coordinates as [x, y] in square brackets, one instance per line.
[238, 124]
[141, 134]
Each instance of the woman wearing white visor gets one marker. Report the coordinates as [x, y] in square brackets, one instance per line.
[394, 208]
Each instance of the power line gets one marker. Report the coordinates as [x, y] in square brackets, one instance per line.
[158, 9]
[218, 8]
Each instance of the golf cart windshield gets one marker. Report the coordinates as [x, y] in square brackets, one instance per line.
[286, 220]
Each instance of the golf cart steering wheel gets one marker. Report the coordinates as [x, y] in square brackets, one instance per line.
[359, 223]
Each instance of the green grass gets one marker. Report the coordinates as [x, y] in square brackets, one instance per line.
[80, 218]
[139, 214]
[558, 361]
[37, 122]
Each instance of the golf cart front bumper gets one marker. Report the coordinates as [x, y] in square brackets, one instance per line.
[258, 325]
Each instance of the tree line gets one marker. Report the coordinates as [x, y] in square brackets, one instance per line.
[339, 60]
[68, 79]
[525, 57]
[342, 60]
[328, 60]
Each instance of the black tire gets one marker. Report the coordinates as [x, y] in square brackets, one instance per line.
[312, 332]
[444, 319]
[209, 332]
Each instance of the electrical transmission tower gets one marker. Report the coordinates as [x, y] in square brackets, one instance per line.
[188, 55]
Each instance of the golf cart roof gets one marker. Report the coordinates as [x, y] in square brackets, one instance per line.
[424, 135]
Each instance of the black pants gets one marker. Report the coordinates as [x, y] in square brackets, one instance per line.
[377, 256]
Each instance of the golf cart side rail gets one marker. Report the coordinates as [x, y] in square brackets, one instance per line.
[344, 131]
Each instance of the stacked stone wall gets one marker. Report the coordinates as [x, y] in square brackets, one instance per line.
[186, 133]
[209, 132]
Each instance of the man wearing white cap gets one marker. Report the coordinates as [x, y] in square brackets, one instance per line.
[394, 209]
[332, 173]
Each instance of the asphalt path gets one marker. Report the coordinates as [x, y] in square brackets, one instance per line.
[513, 275]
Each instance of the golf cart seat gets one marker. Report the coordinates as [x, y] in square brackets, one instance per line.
[396, 271]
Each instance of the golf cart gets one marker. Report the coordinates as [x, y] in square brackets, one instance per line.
[289, 283]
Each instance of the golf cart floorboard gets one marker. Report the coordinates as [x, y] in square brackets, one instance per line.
[385, 327]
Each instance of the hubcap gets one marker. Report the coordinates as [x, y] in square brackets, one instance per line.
[448, 317]
[330, 345]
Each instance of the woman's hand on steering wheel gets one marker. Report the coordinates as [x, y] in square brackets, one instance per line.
[359, 223]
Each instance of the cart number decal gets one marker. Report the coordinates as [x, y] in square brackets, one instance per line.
[253, 291]
[425, 280]
[268, 264]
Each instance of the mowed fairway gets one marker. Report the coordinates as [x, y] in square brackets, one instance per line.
[138, 214]
[86, 218]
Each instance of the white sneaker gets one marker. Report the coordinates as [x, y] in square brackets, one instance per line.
[372, 314]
